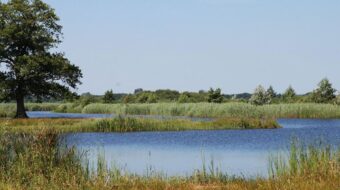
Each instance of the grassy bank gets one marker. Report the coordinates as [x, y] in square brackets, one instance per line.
[121, 124]
[303, 110]
[230, 110]
[34, 161]
[9, 109]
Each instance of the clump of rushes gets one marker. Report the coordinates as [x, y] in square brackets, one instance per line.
[306, 167]
[30, 161]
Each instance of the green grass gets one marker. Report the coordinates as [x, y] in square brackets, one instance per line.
[34, 161]
[128, 124]
[230, 110]
[301, 110]
[9, 109]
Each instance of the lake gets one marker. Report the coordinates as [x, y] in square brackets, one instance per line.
[236, 152]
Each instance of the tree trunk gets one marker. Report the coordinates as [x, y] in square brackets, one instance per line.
[21, 112]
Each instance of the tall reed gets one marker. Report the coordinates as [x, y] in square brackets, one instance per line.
[300, 110]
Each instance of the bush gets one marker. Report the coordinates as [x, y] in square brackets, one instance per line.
[108, 97]
[259, 96]
[215, 96]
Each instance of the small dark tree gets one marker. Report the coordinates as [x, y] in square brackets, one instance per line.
[138, 90]
[215, 96]
[29, 65]
[108, 97]
[143, 97]
[271, 94]
[324, 93]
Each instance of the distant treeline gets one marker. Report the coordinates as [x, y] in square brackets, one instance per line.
[324, 93]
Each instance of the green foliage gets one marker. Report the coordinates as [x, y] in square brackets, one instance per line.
[152, 98]
[167, 95]
[289, 94]
[128, 99]
[325, 93]
[142, 97]
[108, 97]
[29, 34]
[271, 94]
[183, 98]
[138, 90]
[259, 96]
[337, 101]
[215, 96]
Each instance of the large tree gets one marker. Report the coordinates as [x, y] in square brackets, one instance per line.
[29, 63]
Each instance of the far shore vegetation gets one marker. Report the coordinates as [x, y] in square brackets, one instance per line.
[321, 103]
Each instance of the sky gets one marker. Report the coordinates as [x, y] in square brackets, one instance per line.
[189, 45]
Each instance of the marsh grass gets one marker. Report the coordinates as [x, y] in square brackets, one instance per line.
[317, 159]
[243, 110]
[38, 161]
[9, 109]
[132, 124]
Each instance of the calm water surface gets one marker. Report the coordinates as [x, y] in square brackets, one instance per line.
[236, 152]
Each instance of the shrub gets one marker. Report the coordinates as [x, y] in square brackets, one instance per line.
[215, 96]
[259, 96]
[108, 97]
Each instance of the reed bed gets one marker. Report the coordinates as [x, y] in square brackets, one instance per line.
[128, 124]
[9, 109]
[39, 161]
[300, 110]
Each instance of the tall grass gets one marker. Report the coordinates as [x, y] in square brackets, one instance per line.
[9, 109]
[317, 159]
[128, 124]
[301, 110]
[36, 161]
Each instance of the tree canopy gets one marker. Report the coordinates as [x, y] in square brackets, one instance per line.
[109, 97]
[324, 93]
[289, 94]
[271, 94]
[215, 96]
[29, 63]
[259, 96]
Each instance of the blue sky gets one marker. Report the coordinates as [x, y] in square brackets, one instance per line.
[197, 44]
